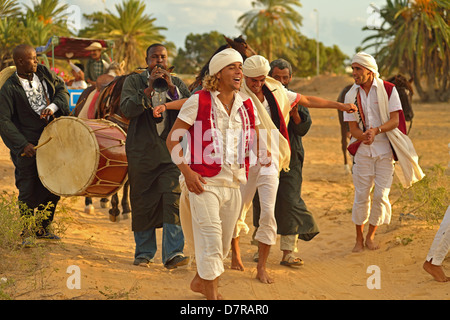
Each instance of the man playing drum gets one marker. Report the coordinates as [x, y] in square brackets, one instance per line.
[27, 100]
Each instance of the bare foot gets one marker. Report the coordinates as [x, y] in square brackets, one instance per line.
[359, 246]
[436, 271]
[236, 261]
[198, 285]
[371, 245]
[263, 276]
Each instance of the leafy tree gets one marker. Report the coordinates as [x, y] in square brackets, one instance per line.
[414, 39]
[9, 32]
[198, 50]
[45, 19]
[35, 31]
[9, 8]
[303, 55]
[271, 25]
[131, 29]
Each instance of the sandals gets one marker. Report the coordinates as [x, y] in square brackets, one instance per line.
[291, 261]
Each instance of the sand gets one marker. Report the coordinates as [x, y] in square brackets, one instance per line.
[103, 250]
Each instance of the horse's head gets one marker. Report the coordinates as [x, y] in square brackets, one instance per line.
[406, 92]
[237, 44]
[103, 80]
[116, 69]
[240, 45]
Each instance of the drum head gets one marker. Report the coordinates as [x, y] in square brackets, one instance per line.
[68, 162]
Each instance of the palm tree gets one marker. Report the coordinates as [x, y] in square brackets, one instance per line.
[9, 32]
[415, 39]
[9, 8]
[52, 14]
[271, 25]
[131, 29]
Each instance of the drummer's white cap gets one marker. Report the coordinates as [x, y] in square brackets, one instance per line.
[222, 59]
[367, 61]
[94, 46]
[256, 66]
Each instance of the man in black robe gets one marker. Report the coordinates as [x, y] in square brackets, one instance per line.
[28, 98]
[153, 177]
[292, 216]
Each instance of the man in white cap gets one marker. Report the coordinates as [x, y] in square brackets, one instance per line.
[378, 129]
[273, 103]
[97, 64]
[217, 121]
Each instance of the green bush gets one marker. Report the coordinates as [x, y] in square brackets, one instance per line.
[427, 199]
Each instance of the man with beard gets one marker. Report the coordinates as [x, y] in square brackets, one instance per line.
[153, 177]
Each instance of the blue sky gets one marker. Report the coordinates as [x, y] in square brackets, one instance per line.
[340, 22]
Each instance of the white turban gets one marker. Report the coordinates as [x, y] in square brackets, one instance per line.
[367, 61]
[222, 59]
[256, 66]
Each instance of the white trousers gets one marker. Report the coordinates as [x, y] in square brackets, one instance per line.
[210, 227]
[441, 243]
[289, 242]
[266, 181]
[372, 173]
[186, 219]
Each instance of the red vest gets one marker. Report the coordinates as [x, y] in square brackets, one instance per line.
[402, 122]
[207, 164]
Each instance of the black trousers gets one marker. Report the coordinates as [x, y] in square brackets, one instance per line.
[32, 192]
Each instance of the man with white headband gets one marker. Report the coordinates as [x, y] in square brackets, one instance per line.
[217, 121]
[273, 103]
[378, 137]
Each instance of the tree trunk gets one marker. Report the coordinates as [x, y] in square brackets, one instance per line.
[416, 76]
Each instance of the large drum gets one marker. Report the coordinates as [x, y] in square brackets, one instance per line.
[80, 157]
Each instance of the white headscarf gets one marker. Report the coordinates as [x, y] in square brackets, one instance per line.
[367, 61]
[256, 66]
[222, 59]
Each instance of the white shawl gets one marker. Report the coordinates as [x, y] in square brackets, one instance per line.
[283, 149]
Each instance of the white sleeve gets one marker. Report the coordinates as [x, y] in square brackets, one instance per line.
[74, 67]
[394, 101]
[292, 96]
[189, 110]
[52, 107]
[349, 116]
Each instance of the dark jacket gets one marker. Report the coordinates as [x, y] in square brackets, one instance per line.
[153, 177]
[19, 123]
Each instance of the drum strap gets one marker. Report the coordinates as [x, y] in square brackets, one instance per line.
[45, 93]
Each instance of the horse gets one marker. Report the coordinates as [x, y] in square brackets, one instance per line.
[239, 44]
[405, 92]
[102, 101]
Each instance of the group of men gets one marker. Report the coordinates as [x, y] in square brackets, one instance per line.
[198, 161]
